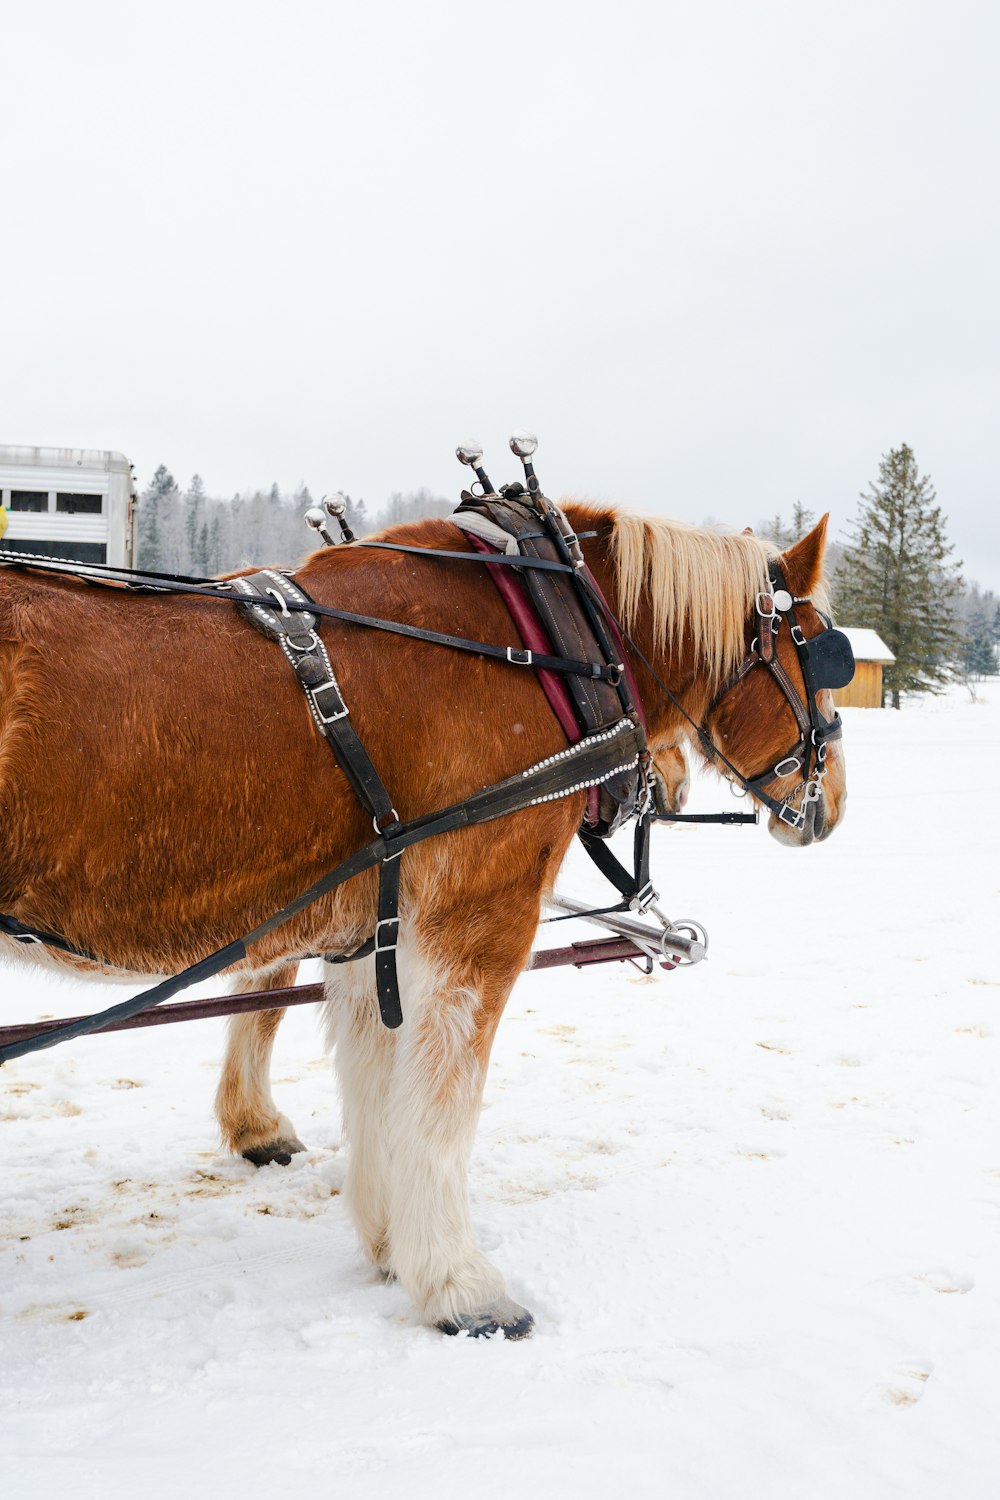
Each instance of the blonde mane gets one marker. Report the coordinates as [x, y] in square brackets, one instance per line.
[696, 582]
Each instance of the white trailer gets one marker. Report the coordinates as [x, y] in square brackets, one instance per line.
[69, 502]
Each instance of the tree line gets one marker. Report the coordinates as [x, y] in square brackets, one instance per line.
[894, 573]
[188, 531]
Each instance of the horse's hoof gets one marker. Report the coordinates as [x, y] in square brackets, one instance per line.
[509, 1320]
[280, 1151]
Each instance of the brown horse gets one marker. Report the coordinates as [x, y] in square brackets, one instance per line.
[162, 789]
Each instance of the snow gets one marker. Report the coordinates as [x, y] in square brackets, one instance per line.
[867, 644]
[755, 1206]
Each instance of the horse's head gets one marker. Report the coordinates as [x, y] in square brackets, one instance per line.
[774, 719]
[721, 626]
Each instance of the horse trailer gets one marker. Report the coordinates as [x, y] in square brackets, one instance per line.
[75, 503]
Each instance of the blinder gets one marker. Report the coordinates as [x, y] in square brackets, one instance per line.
[828, 661]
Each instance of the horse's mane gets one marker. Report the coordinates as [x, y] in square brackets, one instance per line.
[694, 580]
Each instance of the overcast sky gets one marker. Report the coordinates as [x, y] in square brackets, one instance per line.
[721, 255]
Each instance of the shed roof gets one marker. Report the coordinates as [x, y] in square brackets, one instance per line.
[867, 645]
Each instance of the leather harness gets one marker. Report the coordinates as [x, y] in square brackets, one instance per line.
[608, 755]
[611, 752]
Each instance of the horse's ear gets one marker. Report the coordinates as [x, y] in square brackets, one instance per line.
[803, 563]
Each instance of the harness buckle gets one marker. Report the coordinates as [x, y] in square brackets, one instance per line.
[793, 818]
[788, 766]
[797, 635]
[519, 657]
[340, 712]
[644, 898]
[393, 942]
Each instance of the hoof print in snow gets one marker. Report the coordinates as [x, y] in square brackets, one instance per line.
[280, 1152]
[511, 1322]
[910, 1382]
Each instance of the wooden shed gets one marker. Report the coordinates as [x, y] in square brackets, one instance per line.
[871, 654]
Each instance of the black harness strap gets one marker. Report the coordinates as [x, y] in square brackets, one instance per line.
[296, 634]
[635, 887]
[587, 763]
[144, 585]
[21, 933]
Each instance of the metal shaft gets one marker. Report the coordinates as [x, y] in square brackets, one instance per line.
[656, 940]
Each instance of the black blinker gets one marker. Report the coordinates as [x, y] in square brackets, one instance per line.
[831, 660]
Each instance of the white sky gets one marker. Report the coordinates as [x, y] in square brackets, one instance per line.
[720, 254]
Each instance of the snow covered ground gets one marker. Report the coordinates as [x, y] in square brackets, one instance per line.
[755, 1207]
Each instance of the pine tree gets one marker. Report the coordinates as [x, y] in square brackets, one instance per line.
[155, 519]
[775, 530]
[979, 656]
[194, 508]
[803, 521]
[213, 555]
[897, 578]
[357, 516]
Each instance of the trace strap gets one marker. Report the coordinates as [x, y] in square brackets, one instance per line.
[587, 763]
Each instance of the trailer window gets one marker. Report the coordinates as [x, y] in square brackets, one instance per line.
[86, 552]
[29, 500]
[84, 505]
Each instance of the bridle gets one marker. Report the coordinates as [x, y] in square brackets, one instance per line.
[826, 661]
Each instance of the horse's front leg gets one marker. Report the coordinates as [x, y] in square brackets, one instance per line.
[247, 1115]
[451, 1006]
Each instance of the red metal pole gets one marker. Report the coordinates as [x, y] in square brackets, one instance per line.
[579, 955]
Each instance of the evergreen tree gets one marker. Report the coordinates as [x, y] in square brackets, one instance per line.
[803, 521]
[358, 521]
[213, 556]
[775, 530]
[194, 510]
[979, 655]
[897, 578]
[156, 520]
[415, 505]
